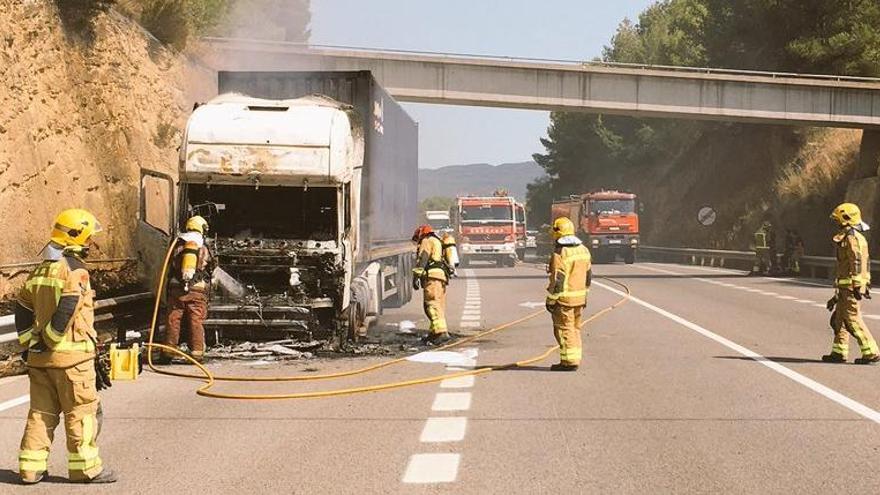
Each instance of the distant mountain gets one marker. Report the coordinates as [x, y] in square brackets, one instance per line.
[478, 178]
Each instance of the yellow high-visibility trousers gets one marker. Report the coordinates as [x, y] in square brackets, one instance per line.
[848, 321]
[567, 330]
[435, 304]
[54, 391]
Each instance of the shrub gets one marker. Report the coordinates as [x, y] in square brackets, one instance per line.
[78, 16]
[167, 21]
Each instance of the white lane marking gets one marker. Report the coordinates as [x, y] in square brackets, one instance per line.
[792, 281]
[750, 289]
[471, 312]
[452, 401]
[658, 270]
[449, 358]
[470, 317]
[787, 298]
[432, 468]
[470, 324]
[24, 399]
[804, 301]
[871, 317]
[444, 430]
[767, 293]
[472, 307]
[820, 305]
[811, 384]
[466, 381]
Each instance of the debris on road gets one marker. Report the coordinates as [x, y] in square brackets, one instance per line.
[273, 351]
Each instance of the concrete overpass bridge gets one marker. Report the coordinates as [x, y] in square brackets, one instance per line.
[623, 89]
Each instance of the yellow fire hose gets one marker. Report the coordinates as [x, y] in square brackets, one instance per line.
[210, 379]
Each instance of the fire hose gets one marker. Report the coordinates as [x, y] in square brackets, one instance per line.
[211, 379]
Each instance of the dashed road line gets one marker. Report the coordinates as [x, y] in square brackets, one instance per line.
[444, 429]
[432, 468]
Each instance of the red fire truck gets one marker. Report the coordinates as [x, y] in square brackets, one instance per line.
[486, 229]
[607, 221]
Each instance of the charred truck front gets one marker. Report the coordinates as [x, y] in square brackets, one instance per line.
[297, 189]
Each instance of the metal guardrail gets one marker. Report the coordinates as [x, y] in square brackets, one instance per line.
[718, 257]
[7, 323]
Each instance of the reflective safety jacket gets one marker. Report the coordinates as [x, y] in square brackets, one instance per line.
[429, 260]
[853, 267]
[570, 273]
[55, 314]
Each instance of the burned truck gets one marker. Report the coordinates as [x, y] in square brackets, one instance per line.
[309, 184]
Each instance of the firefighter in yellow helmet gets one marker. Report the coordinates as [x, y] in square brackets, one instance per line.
[432, 273]
[188, 287]
[54, 317]
[852, 281]
[570, 274]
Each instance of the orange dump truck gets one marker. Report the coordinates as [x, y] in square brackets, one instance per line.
[607, 221]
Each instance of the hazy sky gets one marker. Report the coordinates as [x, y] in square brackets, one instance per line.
[561, 29]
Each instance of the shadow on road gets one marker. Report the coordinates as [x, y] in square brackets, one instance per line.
[775, 359]
[10, 477]
[623, 276]
[508, 277]
[500, 367]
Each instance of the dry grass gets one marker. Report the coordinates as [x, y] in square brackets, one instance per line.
[828, 158]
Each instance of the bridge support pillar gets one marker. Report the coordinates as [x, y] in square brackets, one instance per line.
[864, 188]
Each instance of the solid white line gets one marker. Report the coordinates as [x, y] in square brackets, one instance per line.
[811, 384]
[444, 430]
[24, 399]
[432, 468]
[787, 298]
[871, 317]
[452, 401]
[820, 305]
[765, 293]
[466, 381]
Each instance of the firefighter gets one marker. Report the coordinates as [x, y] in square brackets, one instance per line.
[189, 284]
[852, 281]
[794, 251]
[431, 273]
[765, 249]
[450, 253]
[570, 276]
[54, 317]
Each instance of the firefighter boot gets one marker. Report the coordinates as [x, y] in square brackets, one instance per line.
[833, 358]
[32, 478]
[105, 476]
[563, 367]
[871, 359]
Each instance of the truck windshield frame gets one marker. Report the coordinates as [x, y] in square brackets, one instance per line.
[277, 212]
[611, 206]
[486, 213]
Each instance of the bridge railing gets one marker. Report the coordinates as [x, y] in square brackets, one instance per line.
[339, 50]
[812, 266]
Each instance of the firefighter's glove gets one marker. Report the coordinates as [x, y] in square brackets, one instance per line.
[549, 305]
[102, 373]
[857, 292]
[417, 283]
[831, 303]
[867, 292]
[24, 356]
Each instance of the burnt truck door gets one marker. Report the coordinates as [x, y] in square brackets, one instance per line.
[155, 223]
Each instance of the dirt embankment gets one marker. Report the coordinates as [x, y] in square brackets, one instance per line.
[78, 121]
[748, 173]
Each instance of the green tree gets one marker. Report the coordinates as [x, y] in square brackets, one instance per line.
[436, 203]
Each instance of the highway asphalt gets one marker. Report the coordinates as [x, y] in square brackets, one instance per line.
[705, 381]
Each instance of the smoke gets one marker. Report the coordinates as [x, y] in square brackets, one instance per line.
[277, 20]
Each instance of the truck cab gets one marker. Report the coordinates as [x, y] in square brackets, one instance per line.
[486, 228]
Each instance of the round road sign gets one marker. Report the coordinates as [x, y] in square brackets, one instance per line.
[706, 216]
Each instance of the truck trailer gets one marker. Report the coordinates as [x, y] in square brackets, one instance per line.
[309, 183]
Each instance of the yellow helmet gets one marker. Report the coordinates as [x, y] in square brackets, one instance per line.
[847, 215]
[197, 224]
[74, 227]
[562, 227]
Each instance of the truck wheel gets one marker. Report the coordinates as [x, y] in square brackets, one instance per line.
[521, 254]
[500, 262]
[465, 262]
[630, 257]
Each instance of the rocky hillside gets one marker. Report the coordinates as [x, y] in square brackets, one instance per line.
[480, 178]
[79, 119]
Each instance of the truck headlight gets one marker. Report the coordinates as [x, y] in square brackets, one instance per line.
[633, 241]
[595, 242]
